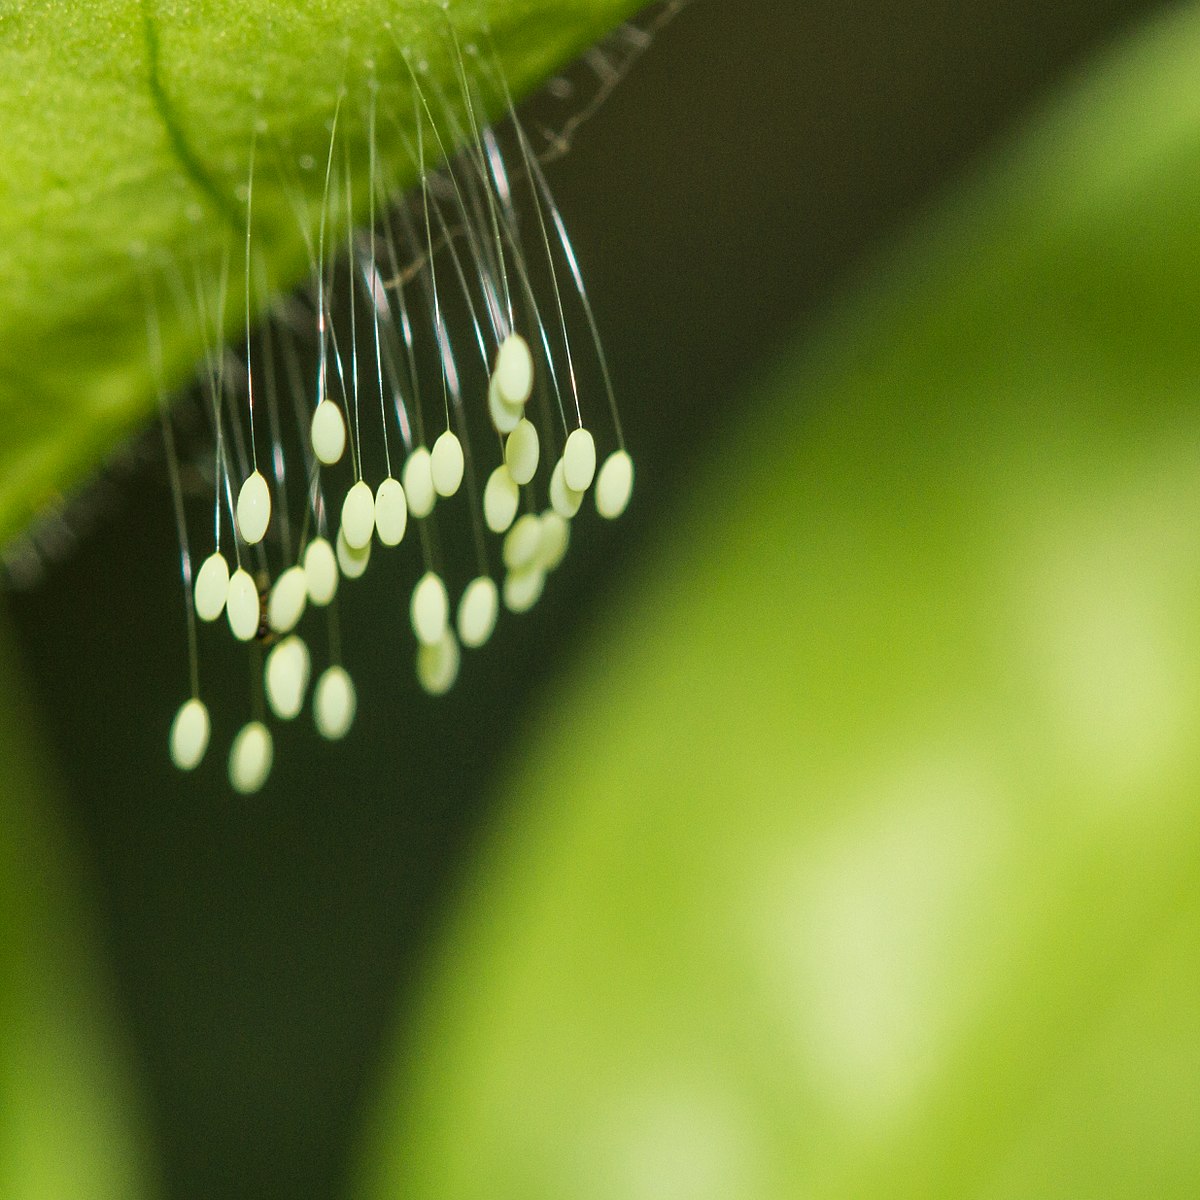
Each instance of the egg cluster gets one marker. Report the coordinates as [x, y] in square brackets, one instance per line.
[492, 440]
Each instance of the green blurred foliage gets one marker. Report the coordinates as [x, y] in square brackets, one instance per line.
[69, 1114]
[857, 857]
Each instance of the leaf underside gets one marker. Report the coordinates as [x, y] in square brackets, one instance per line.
[123, 174]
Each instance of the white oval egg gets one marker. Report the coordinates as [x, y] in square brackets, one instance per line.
[579, 460]
[320, 571]
[358, 515]
[391, 512]
[212, 587]
[189, 734]
[614, 485]
[522, 541]
[514, 370]
[521, 452]
[328, 433]
[242, 606]
[437, 664]
[430, 608]
[334, 703]
[285, 677]
[250, 758]
[523, 588]
[418, 483]
[254, 509]
[477, 611]
[288, 599]
[500, 500]
[446, 464]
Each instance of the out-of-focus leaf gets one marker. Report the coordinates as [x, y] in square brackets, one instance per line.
[127, 132]
[67, 1110]
[858, 858]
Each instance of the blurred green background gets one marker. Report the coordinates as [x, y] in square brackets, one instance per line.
[830, 828]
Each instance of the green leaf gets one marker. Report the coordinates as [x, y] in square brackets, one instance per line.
[858, 858]
[67, 1104]
[127, 138]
